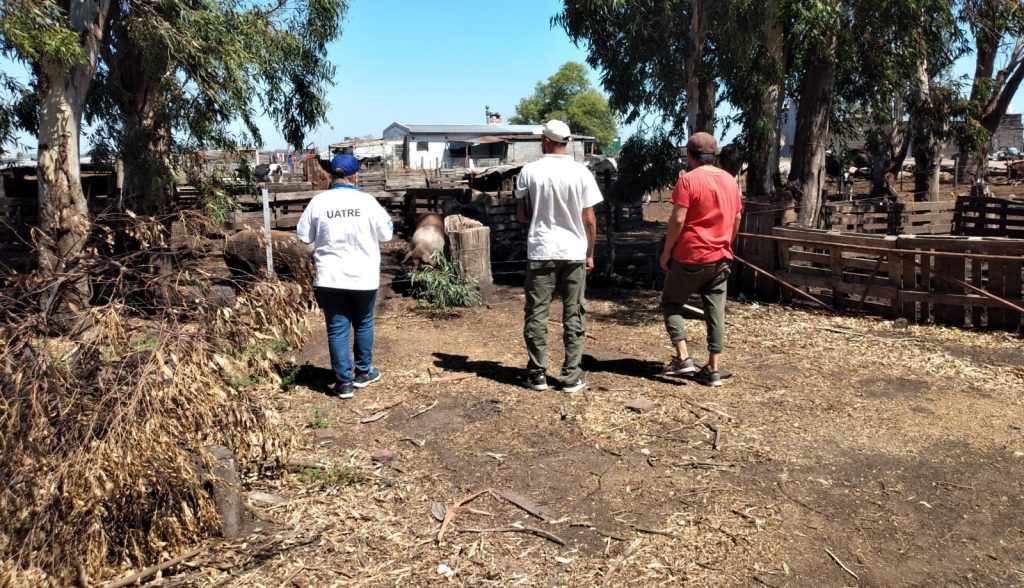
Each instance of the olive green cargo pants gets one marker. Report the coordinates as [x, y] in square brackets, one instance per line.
[543, 280]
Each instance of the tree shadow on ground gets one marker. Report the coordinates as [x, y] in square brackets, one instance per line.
[490, 370]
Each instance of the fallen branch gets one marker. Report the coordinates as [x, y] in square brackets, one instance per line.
[842, 565]
[525, 529]
[132, 579]
[709, 409]
[538, 510]
[419, 412]
[450, 514]
[452, 378]
[618, 561]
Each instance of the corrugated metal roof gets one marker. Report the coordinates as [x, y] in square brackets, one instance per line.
[469, 129]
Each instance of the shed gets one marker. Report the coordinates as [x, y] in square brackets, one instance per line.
[445, 146]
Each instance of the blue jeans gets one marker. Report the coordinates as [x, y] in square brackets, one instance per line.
[346, 310]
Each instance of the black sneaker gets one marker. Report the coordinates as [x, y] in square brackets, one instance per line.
[576, 386]
[344, 390]
[708, 377]
[537, 381]
[680, 367]
[364, 380]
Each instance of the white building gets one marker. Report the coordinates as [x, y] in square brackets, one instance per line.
[445, 146]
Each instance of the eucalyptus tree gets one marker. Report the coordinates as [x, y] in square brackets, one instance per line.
[651, 56]
[176, 76]
[997, 27]
[60, 40]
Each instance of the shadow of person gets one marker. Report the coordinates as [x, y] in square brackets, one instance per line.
[624, 365]
[490, 370]
[314, 377]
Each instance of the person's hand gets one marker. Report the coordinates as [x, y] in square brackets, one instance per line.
[666, 258]
[590, 264]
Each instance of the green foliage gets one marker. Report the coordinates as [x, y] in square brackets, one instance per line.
[33, 31]
[319, 420]
[568, 96]
[442, 284]
[341, 476]
[648, 162]
[290, 377]
[215, 199]
[639, 48]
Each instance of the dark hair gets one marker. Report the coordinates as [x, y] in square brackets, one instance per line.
[704, 158]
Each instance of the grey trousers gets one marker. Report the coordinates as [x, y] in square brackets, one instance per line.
[543, 280]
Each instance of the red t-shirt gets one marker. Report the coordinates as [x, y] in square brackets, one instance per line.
[712, 199]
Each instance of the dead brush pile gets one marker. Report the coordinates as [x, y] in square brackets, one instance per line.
[103, 434]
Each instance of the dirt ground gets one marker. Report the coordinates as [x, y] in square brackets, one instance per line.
[844, 451]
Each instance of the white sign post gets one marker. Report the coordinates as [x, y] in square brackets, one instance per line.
[266, 231]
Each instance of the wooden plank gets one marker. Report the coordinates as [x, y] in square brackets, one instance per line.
[949, 314]
[798, 278]
[956, 299]
[975, 269]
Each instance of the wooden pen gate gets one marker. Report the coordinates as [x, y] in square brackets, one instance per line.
[949, 280]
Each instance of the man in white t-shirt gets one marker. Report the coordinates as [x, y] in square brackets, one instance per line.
[346, 227]
[556, 196]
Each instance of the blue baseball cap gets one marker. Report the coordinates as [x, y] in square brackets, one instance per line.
[343, 165]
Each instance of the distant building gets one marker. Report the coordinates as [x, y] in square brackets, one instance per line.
[446, 146]
[1009, 134]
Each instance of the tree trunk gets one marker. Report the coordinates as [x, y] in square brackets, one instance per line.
[992, 91]
[148, 181]
[762, 153]
[807, 176]
[927, 147]
[63, 212]
[140, 76]
[888, 152]
[700, 95]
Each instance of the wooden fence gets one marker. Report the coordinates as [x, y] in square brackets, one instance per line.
[983, 216]
[907, 218]
[919, 278]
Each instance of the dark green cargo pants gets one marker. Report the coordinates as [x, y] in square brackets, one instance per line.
[682, 280]
[543, 280]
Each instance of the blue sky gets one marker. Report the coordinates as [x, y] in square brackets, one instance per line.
[439, 62]
[443, 61]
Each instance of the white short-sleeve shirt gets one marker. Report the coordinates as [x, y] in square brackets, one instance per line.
[559, 188]
[346, 227]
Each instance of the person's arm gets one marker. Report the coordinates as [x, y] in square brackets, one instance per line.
[384, 225]
[305, 230]
[523, 209]
[522, 193]
[675, 227]
[590, 227]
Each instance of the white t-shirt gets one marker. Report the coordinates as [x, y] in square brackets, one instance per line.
[559, 189]
[345, 227]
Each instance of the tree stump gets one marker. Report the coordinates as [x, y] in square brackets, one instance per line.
[226, 492]
[471, 251]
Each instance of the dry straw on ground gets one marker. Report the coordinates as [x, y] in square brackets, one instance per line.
[103, 434]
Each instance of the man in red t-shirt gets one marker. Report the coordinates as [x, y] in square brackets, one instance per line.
[698, 252]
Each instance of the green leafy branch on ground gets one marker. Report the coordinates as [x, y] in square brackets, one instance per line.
[443, 285]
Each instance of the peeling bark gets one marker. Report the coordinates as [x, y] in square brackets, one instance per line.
[807, 176]
[63, 213]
